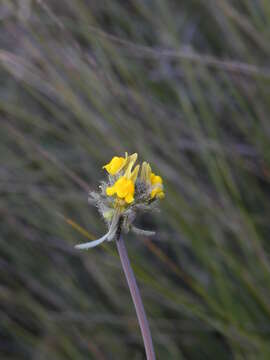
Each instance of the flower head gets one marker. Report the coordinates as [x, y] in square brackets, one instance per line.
[124, 194]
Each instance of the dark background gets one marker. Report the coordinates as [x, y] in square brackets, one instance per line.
[186, 85]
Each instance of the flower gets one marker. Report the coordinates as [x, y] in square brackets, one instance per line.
[124, 187]
[154, 181]
[115, 165]
[157, 187]
[124, 194]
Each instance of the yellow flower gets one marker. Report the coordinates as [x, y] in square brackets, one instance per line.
[157, 186]
[119, 163]
[152, 180]
[124, 187]
[116, 164]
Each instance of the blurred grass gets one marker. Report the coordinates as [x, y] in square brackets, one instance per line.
[184, 84]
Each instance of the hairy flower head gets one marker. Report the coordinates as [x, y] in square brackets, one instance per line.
[124, 194]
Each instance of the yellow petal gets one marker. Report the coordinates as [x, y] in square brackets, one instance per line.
[161, 195]
[110, 190]
[115, 165]
[130, 186]
[157, 191]
[155, 179]
[122, 192]
[121, 187]
[158, 179]
[129, 198]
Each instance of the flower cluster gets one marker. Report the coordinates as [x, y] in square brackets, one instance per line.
[128, 190]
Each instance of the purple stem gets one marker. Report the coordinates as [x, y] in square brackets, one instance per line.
[136, 297]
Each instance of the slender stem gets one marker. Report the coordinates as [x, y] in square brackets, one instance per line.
[136, 297]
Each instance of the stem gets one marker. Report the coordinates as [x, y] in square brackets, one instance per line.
[136, 297]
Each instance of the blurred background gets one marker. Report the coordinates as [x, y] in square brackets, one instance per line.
[186, 84]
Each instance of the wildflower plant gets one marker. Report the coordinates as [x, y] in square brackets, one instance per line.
[129, 189]
[127, 192]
